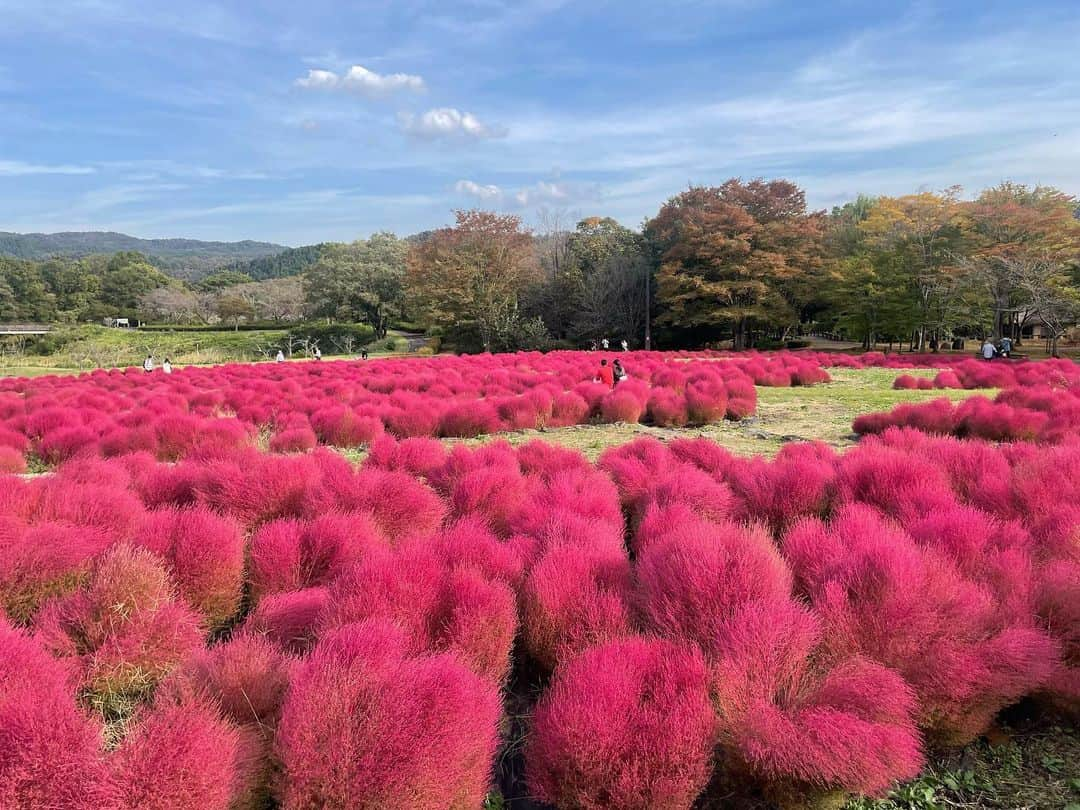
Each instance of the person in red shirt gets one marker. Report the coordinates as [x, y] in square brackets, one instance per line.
[606, 375]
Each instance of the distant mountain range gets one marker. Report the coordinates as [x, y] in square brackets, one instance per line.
[183, 258]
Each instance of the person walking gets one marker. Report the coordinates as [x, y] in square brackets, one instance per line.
[166, 366]
[605, 374]
[1006, 346]
[363, 354]
[988, 350]
[604, 344]
[148, 363]
[625, 346]
[280, 357]
[318, 353]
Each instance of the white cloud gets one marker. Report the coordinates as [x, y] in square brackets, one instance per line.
[489, 192]
[543, 192]
[364, 82]
[17, 168]
[446, 122]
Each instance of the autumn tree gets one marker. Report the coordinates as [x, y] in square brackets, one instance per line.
[359, 281]
[469, 278]
[1013, 230]
[731, 256]
[233, 307]
[169, 304]
[1048, 287]
[919, 235]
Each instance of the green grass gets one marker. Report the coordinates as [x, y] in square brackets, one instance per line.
[84, 348]
[1033, 767]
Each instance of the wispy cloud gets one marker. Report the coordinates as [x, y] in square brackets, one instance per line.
[361, 81]
[447, 122]
[18, 168]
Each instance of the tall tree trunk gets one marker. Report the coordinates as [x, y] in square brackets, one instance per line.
[738, 339]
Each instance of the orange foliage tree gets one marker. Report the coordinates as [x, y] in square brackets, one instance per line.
[735, 256]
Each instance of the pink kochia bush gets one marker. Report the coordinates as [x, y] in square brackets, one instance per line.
[438, 608]
[879, 595]
[178, 756]
[124, 632]
[627, 725]
[205, 554]
[50, 751]
[727, 589]
[417, 732]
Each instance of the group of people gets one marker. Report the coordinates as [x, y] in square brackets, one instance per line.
[316, 354]
[605, 344]
[1003, 348]
[610, 375]
[148, 364]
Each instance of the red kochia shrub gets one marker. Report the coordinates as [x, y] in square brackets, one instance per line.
[400, 505]
[439, 609]
[38, 562]
[178, 756]
[408, 732]
[205, 553]
[1058, 603]
[60, 445]
[569, 408]
[880, 595]
[667, 409]
[288, 555]
[11, 460]
[50, 752]
[802, 726]
[293, 440]
[103, 507]
[621, 406]
[342, 427]
[290, 620]
[124, 633]
[627, 725]
[573, 598]
[469, 420]
[245, 678]
[799, 482]
[707, 401]
[696, 579]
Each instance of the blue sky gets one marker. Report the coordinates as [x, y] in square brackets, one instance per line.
[303, 122]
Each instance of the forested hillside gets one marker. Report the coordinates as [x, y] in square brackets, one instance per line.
[291, 262]
[188, 259]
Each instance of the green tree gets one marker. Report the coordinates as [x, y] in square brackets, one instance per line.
[127, 278]
[215, 282]
[360, 281]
